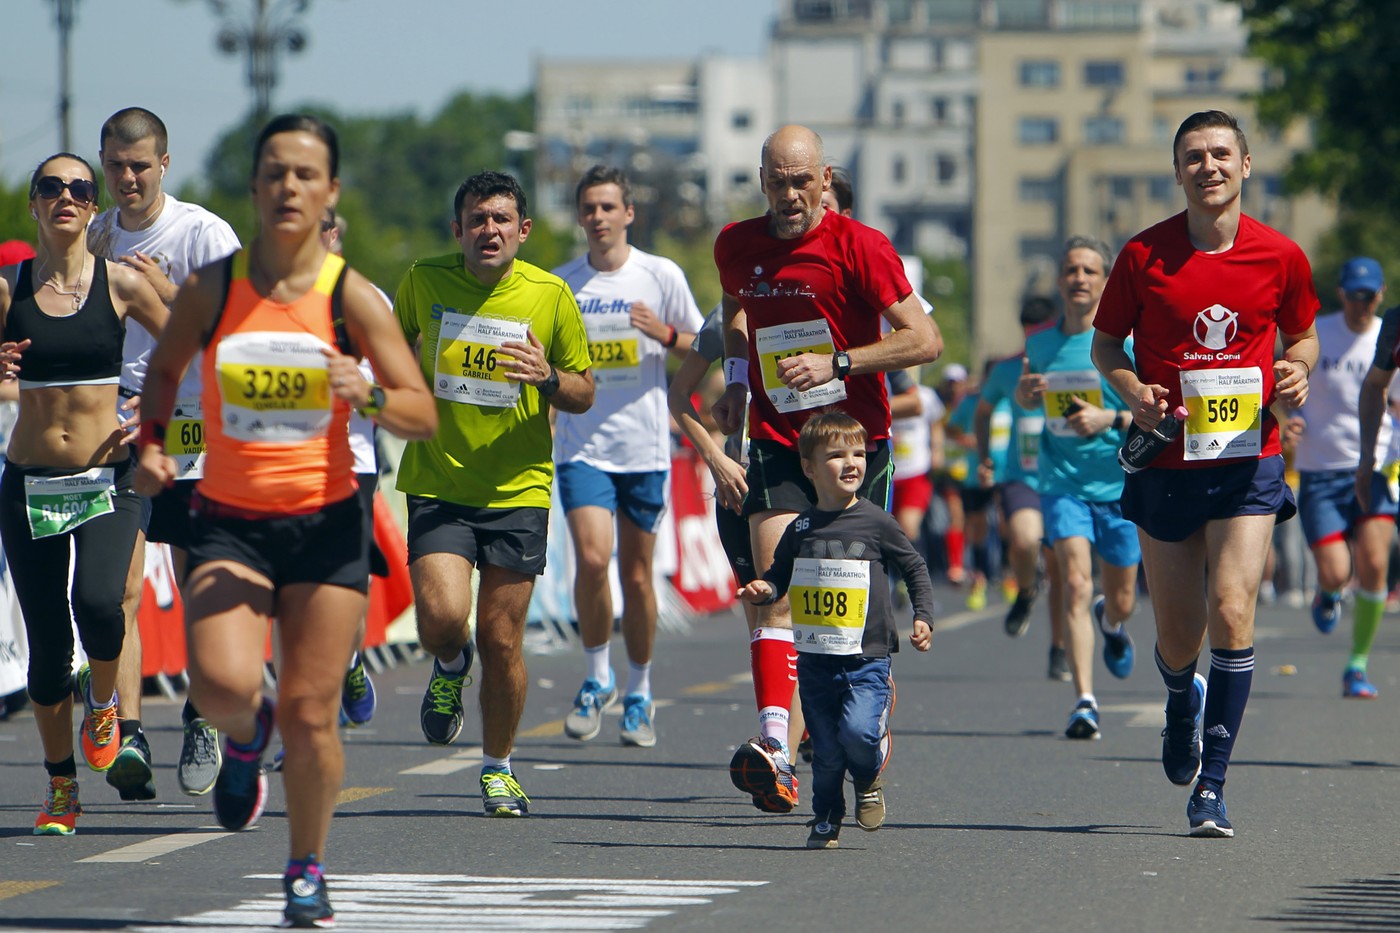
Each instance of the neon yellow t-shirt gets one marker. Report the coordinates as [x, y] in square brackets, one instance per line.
[493, 447]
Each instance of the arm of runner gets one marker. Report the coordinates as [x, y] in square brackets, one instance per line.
[730, 488]
[728, 409]
[669, 336]
[1148, 403]
[527, 363]
[135, 296]
[906, 404]
[912, 340]
[1291, 373]
[408, 410]
[1370, 411]
[165, 289]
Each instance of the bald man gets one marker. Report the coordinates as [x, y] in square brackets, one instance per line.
[804, 291]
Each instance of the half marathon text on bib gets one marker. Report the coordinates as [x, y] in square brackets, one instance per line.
[273, 387]
[58, 504]
[615, 347]
[829, 599]
[1226, 412]
[184, 437]
[469, 363]
[1061, 389]
[786, 340]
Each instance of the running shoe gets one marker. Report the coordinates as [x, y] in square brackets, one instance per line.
[1059, 665]
[1083, 722]
[1355, 686]
[1181, 738]
[1117, 646]
[1206, 812]
[200, 758]
[638, 711]
[357, 695]
[240, 792]
[441, 714]
[1018, 617]
[100, 734]
[870, 804]
[586, 718]
[501, 795]
[131, 773]
[804, 747]
[824, 835]
[308, 899]
[59, 815]
[760, 768]
[1326, 611]
[977, 596]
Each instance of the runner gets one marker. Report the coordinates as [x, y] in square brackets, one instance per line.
[502, 341]
[1206, 293]
[613, 461]
[977, 491]
[278, 526]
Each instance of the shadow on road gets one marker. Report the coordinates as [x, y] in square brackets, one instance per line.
[1359, 904]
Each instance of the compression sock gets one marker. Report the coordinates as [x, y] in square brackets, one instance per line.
[774, 663]
[639, 679]
[1231, 674]
[1365, 620]
[1179, 691]
[957, 545]
[599, 662]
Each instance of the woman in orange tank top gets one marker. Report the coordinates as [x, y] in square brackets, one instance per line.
[279, 527]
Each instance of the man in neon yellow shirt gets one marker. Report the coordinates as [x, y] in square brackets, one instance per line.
[500, 341]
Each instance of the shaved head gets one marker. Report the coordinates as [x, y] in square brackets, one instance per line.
[793, 143]
[794, 173]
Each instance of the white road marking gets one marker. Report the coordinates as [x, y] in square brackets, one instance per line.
[155, 848]
[458, 761]
[1144, 715]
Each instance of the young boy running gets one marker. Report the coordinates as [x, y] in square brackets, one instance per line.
[843, 624]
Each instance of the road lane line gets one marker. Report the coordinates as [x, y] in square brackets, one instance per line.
[460, 761]
[351, 794]
[16, 888]
[155, 848]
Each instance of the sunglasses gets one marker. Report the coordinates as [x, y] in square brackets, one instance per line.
[51, 186]
[1364, 295]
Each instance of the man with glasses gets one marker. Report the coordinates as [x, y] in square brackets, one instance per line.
[163, 239]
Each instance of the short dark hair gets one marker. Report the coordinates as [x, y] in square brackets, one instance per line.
[1036, 309]
[299, 123]
[1207, 119]
[827, 427]
[485, 185]
[39, 172]
[842, 188]
[604, 175]
[133, 125]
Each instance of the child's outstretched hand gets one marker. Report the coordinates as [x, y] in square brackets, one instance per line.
[757, 592]
[923, 635]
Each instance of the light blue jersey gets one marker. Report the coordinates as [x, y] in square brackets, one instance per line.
[1021, 463]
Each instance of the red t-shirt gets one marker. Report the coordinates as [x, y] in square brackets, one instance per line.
[842, 273]
[1191, 312]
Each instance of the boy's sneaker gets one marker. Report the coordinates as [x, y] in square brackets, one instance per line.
[1181, 739]
[59, 815]
[1117, 646]
[100, 733]
[760, 768]
[200, 758]
[824, 835]
[501, 795]
[977, 596]
[357, 695]
[1326, 611]
[637, 714]
[240, 792]
[1206, 812]
[441, 714]
[586, 718]
[131, 773]
[1059, 665]
[1355, 686]
[308, 900]
[870, 804]
[1018, 617]
[1083, 721]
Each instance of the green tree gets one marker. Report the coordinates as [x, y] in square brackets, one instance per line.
[15, 222]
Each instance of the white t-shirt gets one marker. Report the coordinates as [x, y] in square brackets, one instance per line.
[183, 238]
[626, 429]
[912, 444]
[361, 427]
[1332, 439]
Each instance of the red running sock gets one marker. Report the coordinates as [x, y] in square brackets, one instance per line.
[774, 661]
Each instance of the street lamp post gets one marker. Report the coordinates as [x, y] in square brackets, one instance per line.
[64, 16]
[269, 27]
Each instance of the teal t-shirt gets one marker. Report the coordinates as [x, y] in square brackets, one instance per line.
[1021, 463]
[964, 419]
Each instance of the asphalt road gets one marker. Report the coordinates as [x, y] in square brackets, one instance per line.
[996, 821]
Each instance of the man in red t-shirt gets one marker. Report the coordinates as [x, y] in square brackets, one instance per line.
[804, 291]
[1204, 294]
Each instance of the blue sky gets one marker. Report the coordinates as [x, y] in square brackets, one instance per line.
[361, 59]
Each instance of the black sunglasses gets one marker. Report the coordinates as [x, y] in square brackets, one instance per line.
[1364, 295]
[51, 186]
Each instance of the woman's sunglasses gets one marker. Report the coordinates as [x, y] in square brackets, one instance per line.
[51, 186]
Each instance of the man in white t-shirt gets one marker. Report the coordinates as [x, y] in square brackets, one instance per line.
[1331, 436]
[615, 458]
[164, 239]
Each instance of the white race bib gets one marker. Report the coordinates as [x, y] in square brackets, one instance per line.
[467, 368]
[785, 340]
[1226, 413]
[184, 437]
[273, 387]
[1061, 388]
[615, 347]
[1028, 441]
[829, 600]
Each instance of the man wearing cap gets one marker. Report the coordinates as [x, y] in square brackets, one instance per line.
[1343, 493]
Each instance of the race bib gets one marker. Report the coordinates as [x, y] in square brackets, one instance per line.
[273, 387]
[58, 504]
[787, 340]
[829, 600]
[615, 347]
[1061, 388]
[468, 361]
[1028, 442]
[1226, 413]
[184, 438]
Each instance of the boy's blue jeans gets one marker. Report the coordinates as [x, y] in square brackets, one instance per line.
[846, 700]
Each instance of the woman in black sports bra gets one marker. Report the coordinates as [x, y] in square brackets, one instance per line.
[68, 470]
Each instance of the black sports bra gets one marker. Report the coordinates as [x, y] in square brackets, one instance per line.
[82, 348]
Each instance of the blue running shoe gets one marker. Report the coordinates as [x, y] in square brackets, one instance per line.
[1083, 722]
[308, 900]
[1206, 813]
[1326, 611]
[240, 791]
[586, 718]
[1117, 646]
[1355, 686]
[637, 714]
[357, 699]
[1181, 738]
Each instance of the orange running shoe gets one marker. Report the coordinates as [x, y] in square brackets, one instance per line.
[61, 810]
[760, 768]
[100, 736]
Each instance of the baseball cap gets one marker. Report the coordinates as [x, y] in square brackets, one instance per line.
[955, 372]
[14, 251]
[1362, 274]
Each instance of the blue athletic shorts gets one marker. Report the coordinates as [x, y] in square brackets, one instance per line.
[1327, 504]
[1102, 523]
[639, 496]
[1172, 505]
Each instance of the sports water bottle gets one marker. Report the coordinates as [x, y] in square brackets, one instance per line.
[1142, 447]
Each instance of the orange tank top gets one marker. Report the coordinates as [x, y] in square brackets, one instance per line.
[276, 437]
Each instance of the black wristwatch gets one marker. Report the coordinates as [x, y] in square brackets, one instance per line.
[841, 363]
[551, 384]
[375, 404]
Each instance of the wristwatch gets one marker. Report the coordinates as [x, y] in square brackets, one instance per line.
[375, 404]
[551, 384]
[841, 363]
